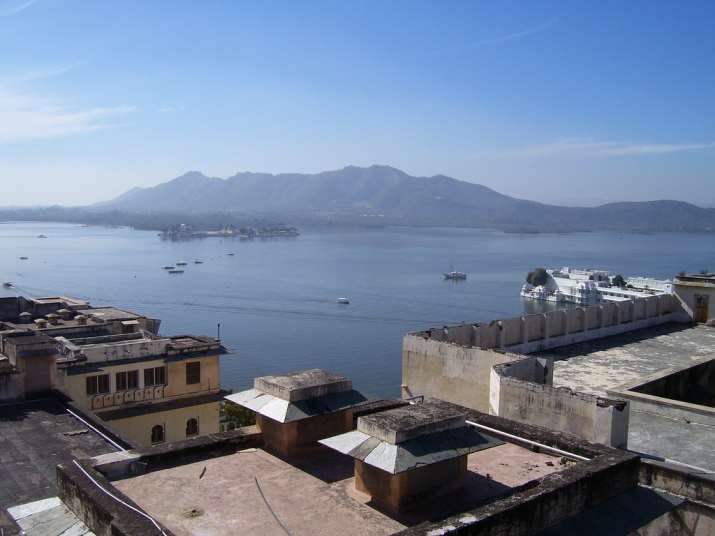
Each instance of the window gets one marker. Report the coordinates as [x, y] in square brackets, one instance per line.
[97, 385]
[157, 434]
[154, 376]
[193, 372]
[192, 427]
[127, 380]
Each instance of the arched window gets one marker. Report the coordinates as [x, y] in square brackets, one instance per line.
[157, 434]
[192, 427]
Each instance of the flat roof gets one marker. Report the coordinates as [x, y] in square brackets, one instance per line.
[109, 313]
[35, 436]
[599, 365]
[254, 492]
[302, 385]
[604, 364]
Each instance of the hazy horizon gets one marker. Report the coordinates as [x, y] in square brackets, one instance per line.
[569, 104]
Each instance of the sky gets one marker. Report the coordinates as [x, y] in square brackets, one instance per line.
[568, 102]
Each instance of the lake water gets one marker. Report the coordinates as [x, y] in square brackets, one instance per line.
[276, 299]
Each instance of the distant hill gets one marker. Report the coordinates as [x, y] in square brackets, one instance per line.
[383, 194]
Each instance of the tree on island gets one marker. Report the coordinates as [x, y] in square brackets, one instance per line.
[538, 277]
[618, 281]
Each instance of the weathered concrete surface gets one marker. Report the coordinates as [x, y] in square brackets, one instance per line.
[34, 437]
[48, 517]
[290, 438]
[303, 385]
[453, 373]
[315, 496]
[400, 424]
[587, 416]
[238, 492]
[660, 429]
[597, 366]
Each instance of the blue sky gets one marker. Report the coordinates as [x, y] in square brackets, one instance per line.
[565, 102]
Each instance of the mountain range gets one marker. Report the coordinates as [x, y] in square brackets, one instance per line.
[385, 195]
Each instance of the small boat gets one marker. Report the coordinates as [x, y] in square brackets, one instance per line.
[181, 263]
[343, 301]
[198, 262]
[230, 254]
[41, 236]
[167, 267]
[176, 271]
[7, 284]
[455, 276]
[24, 258]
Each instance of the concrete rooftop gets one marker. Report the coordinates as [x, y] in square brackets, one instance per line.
[302, 385]
[35, 436]
[600, 365]
[254, 492]
[400, 424]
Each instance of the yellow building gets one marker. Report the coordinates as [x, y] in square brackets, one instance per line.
[111, 362]
[150, 389]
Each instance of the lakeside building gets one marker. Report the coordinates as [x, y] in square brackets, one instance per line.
[147, 388]
[419, 468]
[588, 287]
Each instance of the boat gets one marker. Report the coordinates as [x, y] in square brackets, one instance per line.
[230, 254]
[167, 267]
[455, 276]
[198, 262]
[343, 301]
[176, 271]
[7, 284]
[181, 263]
[24, 258]
[41, 236]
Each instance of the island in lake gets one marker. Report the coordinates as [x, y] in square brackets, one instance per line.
[184, 231]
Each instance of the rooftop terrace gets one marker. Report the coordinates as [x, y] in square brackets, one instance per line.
[34, 437]
[254, 492]
[604, 365]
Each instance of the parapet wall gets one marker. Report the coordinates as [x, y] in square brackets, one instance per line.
[516, 393]
[537, 332]
[483, 366]
[457, 374]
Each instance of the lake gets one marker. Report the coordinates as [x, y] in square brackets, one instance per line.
[276, 299]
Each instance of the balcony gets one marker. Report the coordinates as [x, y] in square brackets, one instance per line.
[109, 400]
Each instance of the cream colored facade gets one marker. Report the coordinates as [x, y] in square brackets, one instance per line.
[134, 411]
[75, 385]
[138, 429]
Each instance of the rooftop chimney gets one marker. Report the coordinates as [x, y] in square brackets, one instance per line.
[406, 455]
[294, 411]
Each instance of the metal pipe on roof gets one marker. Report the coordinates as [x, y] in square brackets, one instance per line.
[530, 442]
[104, 436]
[137, 510]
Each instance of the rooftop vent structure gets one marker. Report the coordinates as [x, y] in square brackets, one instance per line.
[81, 319]
[295, 410]
[52, 318]
[405, 455]
[41, 323]
[65, 314]
[25, 317]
